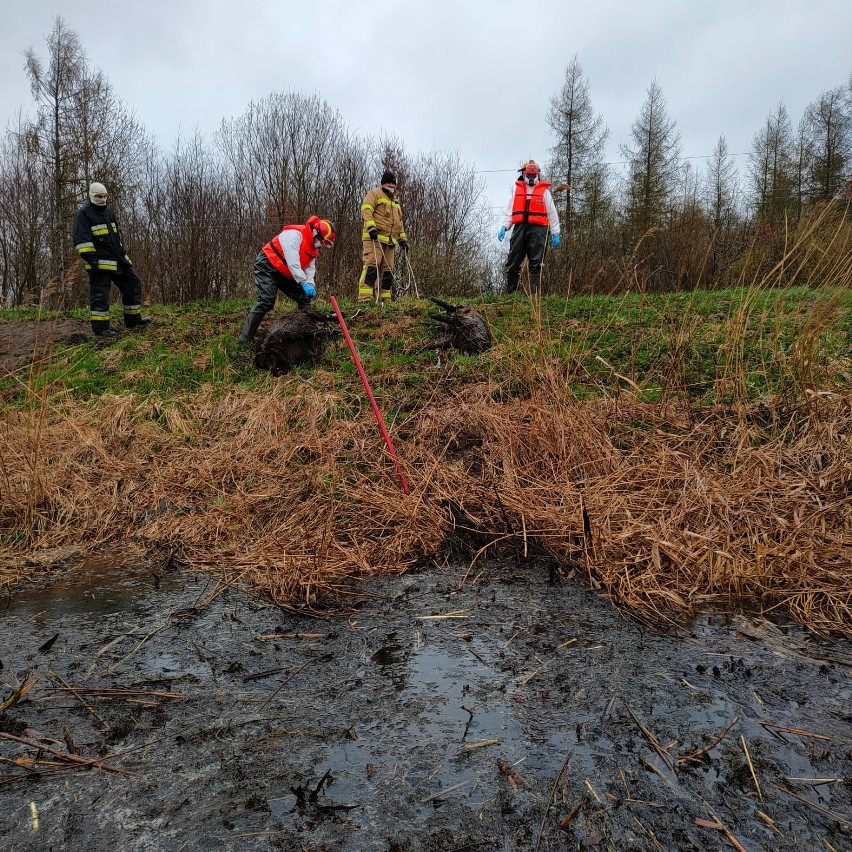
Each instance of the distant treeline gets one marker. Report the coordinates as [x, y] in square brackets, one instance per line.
[195, 216]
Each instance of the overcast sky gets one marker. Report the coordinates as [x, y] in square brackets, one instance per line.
[472, 75]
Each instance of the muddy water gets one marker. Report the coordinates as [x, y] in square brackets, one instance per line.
[503, 724]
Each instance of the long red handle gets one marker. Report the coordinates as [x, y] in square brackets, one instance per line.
[363, 375]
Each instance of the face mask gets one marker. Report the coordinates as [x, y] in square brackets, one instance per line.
[531, 179]
[317, 242]
[389, 189]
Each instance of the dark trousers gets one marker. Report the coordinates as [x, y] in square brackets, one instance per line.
[268, 281]
[527, 242]
[130, 286]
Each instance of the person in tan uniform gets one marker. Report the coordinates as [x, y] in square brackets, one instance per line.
[383, 232]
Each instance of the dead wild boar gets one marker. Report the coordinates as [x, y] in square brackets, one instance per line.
[463, 328]
[295, 339]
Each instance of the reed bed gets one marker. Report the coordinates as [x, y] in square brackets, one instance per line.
[665, 508]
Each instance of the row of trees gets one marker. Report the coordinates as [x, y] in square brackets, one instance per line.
[195, 216]
[673, 224]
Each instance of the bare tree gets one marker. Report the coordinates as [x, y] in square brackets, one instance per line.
[23, 249]
[771, 167]
[54, 87]
[721, 187]
[828, 129]
[653, 162]
[580, 139]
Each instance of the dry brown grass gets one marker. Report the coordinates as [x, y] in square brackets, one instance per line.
[666, 510]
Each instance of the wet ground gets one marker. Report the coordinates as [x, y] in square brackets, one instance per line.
[23, 342]
[515, 712]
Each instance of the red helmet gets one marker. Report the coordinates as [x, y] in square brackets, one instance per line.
[323, 229]
[531, 168]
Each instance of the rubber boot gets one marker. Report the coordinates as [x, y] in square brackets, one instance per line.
[535, 278]
[512, 282]
[135, 321]
[387, 286]
[365, 288]
[250, 326]
[102, 329]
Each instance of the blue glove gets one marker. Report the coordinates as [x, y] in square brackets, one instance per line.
[555, 240]
[310, 290]
[501, 233]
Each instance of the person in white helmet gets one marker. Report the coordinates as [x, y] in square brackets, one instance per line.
[97, 240]
[531, 213]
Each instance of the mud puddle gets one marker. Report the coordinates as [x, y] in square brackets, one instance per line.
[508, 714]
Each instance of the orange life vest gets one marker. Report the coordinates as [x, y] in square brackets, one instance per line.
[307, 251]
[530, 208]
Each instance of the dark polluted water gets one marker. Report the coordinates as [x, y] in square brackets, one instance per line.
[512, 713]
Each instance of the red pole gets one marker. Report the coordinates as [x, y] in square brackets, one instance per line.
[363, 375]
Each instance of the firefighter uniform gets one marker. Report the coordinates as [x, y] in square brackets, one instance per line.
[97, 240]
[382, 218]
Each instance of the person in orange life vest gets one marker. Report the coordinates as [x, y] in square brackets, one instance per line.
[287, 263]
[383, 232]
[531, 213]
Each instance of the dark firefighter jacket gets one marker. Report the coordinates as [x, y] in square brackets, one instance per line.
[97, 239]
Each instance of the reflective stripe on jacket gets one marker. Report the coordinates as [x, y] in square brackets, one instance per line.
[275, 252]
[97, 238]
[380, 211]
[531, 208]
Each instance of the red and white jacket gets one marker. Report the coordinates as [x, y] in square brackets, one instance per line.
[293, 253]
[542, 210]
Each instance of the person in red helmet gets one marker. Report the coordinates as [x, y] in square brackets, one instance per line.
[531, 213]
[287, 263]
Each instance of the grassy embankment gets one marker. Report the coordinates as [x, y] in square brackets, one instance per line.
[678, 451]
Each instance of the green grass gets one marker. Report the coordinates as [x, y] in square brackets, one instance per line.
[708, 346]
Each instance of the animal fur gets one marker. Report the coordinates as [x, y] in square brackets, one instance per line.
[463, 328]
[294, 339]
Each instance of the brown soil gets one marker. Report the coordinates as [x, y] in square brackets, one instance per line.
[21, 343]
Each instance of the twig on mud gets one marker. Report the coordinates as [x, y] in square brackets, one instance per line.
[286, 681]
[21, 690]
[138, 645]
[117, 693]
[96, 763]
[797, 731]
[751, 767]
[652, 740]
[820, 808]
[456, 613]
[77, 695]
[442, 793]
[292, 636]
[767, 820]
[480, 744]
[648, 832]
[514, 779]
[695, 756]
[479, 658]
[717, 826]
[550, 799]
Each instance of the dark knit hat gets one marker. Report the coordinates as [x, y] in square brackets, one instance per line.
[388, 177]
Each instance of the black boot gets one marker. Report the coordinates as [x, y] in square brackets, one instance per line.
[102, 329]
[387, 286]
[535, 279]
[138, 322]
[512, 282]
[250, 326]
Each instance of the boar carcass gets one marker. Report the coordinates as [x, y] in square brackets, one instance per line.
[295, 339]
